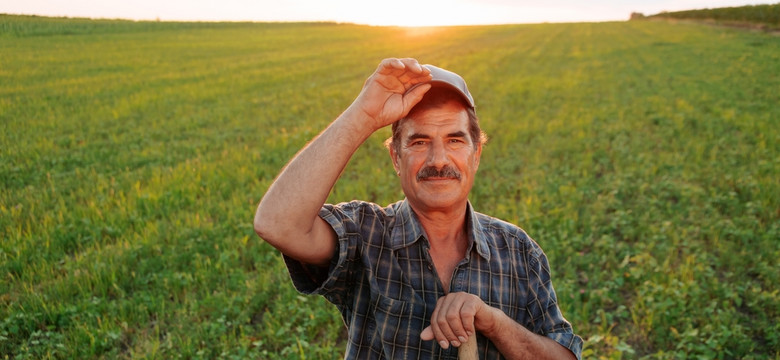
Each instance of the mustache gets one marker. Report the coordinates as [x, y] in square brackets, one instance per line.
[432, 172]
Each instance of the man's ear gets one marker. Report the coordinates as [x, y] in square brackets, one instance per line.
[478, 154]
[393, 157]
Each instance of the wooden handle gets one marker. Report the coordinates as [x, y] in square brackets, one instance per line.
[469, 350]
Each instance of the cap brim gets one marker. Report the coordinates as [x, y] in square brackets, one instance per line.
[450, 80]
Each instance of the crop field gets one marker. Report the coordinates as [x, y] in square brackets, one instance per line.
[643, 157]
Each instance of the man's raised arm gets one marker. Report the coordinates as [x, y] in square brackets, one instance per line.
[287, 216]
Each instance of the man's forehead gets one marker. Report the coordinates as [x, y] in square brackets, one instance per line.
[434, 127]
[447, 119]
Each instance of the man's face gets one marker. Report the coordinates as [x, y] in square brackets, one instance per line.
[437, 159]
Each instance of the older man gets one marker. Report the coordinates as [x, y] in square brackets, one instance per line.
[425, 268]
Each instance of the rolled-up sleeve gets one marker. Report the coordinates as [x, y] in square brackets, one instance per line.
[332, 282]
[543, 310]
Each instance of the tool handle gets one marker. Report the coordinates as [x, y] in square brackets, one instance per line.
[469, 350]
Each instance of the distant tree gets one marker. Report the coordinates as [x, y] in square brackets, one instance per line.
[765, 15]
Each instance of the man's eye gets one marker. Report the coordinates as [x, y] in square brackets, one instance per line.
[456, 141]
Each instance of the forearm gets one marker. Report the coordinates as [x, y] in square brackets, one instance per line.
[516, 342]
[287, 216]
[288, 213]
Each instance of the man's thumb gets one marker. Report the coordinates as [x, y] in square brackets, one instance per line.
[412, 97]
[427, 334]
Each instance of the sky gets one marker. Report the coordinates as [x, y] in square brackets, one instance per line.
[370, 12]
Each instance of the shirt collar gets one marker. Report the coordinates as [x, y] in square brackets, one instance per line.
[408, 230]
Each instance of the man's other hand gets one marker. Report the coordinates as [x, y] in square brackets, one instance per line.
[384, 99]
[458, 316]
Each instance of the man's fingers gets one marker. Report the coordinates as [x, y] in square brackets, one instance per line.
[414, 73]
[446, 321]
[389, 64]
[452, 321]
[436, 325]
[392, 67]
[457, 318]
[406, 64]
[407, 71]
[414, 66]
[468, 313]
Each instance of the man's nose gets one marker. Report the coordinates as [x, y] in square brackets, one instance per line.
[437, 155]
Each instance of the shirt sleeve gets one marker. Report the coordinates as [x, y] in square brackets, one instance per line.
[545, 315]
[333, 282]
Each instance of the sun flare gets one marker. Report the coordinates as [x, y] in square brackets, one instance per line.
[412, 13]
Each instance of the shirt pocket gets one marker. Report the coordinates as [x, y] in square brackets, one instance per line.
[398, 326]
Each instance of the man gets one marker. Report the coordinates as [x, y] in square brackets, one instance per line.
[418, 278]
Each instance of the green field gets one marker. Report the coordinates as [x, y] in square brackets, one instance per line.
[644, 157]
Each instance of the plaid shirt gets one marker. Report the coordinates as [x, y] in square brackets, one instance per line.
[385, 285]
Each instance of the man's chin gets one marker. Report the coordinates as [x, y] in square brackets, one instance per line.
[437, 201]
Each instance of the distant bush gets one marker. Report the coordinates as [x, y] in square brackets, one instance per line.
[759, 14]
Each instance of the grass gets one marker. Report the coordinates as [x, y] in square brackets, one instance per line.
[642, 156]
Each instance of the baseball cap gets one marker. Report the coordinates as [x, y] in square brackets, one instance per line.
[448, 79]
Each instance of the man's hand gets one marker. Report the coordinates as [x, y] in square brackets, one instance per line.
[383, 99]
[458, 316]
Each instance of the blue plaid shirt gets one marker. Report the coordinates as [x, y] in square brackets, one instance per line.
[385, 285]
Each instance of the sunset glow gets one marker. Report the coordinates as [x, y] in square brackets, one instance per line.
[396, 13]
